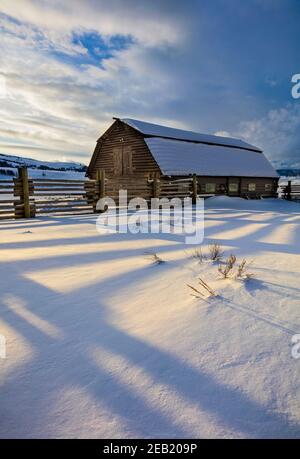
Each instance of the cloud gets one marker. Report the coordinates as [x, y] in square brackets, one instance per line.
[70, 66]
[74, 101]
[278, 134]
[151, 24]
[45, 39]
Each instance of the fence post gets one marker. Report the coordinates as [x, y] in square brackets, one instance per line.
[22, 187]
[99, 188]
[289, 191]
[102, 183]
[25, 185]
[155, 188]
[195, 189]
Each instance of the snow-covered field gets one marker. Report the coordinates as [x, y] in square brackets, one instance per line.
[101, 342]
[39, 173]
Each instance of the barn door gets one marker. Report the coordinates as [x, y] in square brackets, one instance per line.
[122, 160]
[127, 160]
[117, 160]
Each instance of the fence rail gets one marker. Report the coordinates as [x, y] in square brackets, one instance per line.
[178, 188]
[62, 196]
[7, 199]
[291, 191]
[25, 197]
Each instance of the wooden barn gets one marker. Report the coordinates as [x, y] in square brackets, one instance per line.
[132, 150]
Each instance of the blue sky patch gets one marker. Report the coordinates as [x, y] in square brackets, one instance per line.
[98, 48]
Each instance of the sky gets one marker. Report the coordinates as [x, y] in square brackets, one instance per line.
[213, 66]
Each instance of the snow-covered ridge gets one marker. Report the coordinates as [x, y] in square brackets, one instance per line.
[17, 161]
[50, 169]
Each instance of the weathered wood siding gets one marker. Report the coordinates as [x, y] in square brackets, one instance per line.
[122, 151]
[222, 185]
[263, 186]
[260, 188]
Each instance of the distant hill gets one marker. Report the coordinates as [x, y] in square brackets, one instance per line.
[51, 169]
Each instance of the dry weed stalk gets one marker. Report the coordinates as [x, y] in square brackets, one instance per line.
[205, 286]
[195, 290]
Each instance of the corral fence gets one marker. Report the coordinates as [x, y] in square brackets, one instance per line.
[291, 191]
[25, 197]
[150, 188]
[7, 200]
[139, 187]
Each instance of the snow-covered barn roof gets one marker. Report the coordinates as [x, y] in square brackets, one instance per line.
[177, 157]
[155, 130]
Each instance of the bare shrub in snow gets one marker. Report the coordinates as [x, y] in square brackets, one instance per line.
[155, 258]
[208, 290]
[242, 270]
[226, 271]
[215, 252]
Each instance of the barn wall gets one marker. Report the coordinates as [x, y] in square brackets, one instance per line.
[260, 186]
[108, 153]
[242, 183]
[219, 181]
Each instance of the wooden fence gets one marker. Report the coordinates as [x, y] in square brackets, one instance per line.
[181, 188]
[291, 191]
[147, 189]
[25, 197]
[139, 187]
[67, 196]
[7, 200]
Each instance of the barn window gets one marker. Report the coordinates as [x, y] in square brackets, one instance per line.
[233, 187]
[252, 187]
[210, 187]
[268, 186]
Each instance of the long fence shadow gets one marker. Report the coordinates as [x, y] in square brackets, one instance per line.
[84, 320]
[253, 240]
